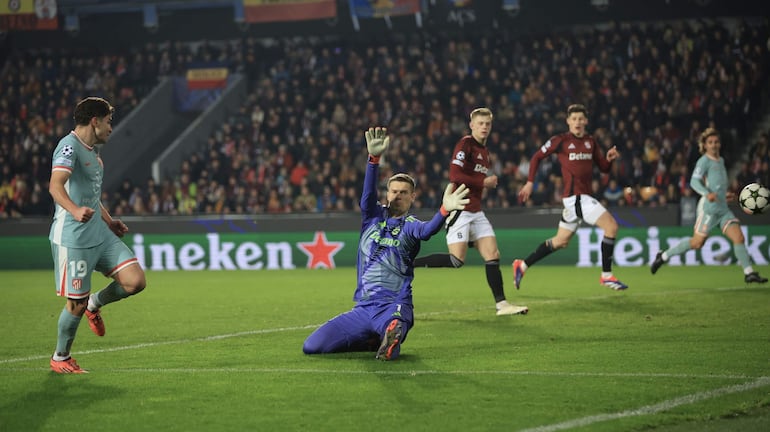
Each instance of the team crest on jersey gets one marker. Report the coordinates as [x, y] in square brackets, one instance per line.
[460, 155]
[67, 150]
[587, 144]
[77, 284]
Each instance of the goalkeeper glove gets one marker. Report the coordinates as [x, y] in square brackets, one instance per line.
[455, 199]
[377, 140]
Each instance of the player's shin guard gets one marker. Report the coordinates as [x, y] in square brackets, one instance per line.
[608, 247]
[495, 279]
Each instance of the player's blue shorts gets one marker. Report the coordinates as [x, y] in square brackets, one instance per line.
[73, 266]
[360, 329]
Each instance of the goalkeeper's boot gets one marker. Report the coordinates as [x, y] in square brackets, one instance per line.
[95, 322]
[505, 308]
[657, 263]
[518, 272]
[66, 366]
[754, 277]
[391, 342]
[613, 282]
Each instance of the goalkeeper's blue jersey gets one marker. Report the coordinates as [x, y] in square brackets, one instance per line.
[387, 247]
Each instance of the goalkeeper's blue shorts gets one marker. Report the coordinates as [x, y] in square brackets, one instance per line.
[360, 329]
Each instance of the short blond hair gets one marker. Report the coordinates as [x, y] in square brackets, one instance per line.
[402, 177]
[704, 136]
[483, 111]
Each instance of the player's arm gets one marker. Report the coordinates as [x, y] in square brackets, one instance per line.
[698, 185]
[546, 149]
[377, 142]
[116, 225]
[605, 162]
[454, 199]
[59, 178]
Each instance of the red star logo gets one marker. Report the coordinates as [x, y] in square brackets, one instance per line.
[320, 252]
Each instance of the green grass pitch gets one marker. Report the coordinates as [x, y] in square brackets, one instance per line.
[686, 349]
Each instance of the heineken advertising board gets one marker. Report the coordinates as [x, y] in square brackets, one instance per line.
[331, 249]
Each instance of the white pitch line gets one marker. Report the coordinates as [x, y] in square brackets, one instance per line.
[172, 342]
[655, 408]
[408, 372]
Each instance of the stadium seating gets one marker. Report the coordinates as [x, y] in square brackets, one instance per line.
[650, 88]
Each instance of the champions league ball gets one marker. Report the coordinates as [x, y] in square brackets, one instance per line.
[754, 199]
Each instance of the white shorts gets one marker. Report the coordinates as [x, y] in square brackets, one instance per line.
[589, 210]
[469, 227]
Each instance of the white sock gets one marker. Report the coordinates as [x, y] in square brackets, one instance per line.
[57, 357]
[606, 275]
[91, 305]
[502, 303]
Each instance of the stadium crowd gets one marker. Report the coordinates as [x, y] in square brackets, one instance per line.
[296, 144]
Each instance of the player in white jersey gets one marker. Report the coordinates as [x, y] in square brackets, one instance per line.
[80, 242]
[709, 179]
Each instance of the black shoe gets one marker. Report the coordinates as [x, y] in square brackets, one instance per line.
[658, 262]
[754, 277]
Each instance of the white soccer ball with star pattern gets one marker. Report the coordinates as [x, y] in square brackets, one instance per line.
[754, 199]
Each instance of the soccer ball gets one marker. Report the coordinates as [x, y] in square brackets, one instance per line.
[754, 198]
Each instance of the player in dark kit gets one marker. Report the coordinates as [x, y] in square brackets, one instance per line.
[470, 166]
[578, 152]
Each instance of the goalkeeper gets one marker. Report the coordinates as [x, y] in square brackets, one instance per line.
[390, 240]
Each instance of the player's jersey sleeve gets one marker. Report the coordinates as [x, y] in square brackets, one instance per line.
[550, 147]
[370, 204]
[698, 178]
[425, 230]
[600, 159]
[461, 170]
[64, 157]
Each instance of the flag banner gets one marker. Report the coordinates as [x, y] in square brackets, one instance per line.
[383, 8]
[187, 99]
[28, 15]
[207, 78]
[256, 11]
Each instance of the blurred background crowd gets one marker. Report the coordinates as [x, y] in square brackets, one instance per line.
[296, 145]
